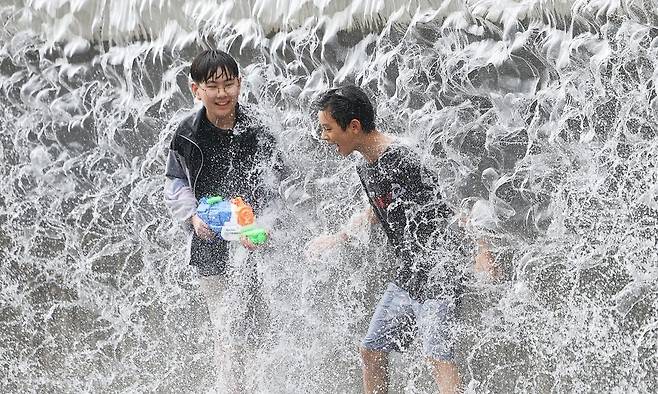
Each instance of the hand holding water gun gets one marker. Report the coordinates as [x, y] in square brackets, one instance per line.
[231, 219]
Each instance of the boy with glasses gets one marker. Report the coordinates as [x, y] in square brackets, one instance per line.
[404, 199]
[221, 150]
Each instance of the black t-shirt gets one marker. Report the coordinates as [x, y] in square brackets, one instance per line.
[405, 197]
[233, 165]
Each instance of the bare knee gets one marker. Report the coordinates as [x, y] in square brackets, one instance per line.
[440, 364]
[370, 357]
[446, 375]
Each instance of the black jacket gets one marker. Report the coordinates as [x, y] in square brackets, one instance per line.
[253, 153]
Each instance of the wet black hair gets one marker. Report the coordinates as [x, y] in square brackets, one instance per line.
[346, 103]
[206, 65]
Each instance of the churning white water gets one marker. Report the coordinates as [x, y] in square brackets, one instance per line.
[540, 116]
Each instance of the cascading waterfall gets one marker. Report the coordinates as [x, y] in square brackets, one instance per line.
[539, 116]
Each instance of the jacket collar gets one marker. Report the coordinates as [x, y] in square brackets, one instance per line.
[240, 118]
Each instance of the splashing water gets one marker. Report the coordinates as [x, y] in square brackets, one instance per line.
[539, 116]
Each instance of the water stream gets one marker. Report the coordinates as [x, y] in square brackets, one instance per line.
[540, 116]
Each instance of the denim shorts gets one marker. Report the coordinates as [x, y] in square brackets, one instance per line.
[398, 318]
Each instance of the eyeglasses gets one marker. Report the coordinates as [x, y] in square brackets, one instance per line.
[213, 89]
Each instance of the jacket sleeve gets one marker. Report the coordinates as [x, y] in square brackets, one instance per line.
[178, 195]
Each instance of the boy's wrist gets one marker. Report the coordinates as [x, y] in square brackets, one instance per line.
[342, 236]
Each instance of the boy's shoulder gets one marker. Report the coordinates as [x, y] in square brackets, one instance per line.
[249, 117]
[402, 149]
[399, 155]
[188, 124]
[404, 160]
[250, 121]
[183, 131]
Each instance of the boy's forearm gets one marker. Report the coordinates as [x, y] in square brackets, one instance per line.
[357, 222]
[484, 259]
[180, 199]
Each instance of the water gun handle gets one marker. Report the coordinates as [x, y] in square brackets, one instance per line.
[256, 235]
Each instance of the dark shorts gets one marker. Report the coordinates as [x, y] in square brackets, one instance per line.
[398, 318]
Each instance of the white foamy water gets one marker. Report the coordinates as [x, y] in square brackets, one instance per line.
[539, 116]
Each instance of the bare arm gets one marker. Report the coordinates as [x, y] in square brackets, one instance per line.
[180, 198]
[484, 260]
[325, 242]
[357, 222]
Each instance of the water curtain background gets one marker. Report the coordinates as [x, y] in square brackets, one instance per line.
[540, 117]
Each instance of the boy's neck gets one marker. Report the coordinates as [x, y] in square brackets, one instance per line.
[373, 145]
[223, 122]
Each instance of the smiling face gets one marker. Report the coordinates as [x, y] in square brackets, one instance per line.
[345, 140]
[219, 95]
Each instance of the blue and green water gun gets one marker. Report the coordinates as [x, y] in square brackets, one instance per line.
[231, 219]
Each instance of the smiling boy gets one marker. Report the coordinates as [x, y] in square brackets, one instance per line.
[220, 150]
[404, 199]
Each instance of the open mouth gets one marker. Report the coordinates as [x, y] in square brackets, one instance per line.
[334, 144]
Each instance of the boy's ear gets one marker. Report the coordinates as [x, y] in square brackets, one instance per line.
[194, 88]
[355, 125]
